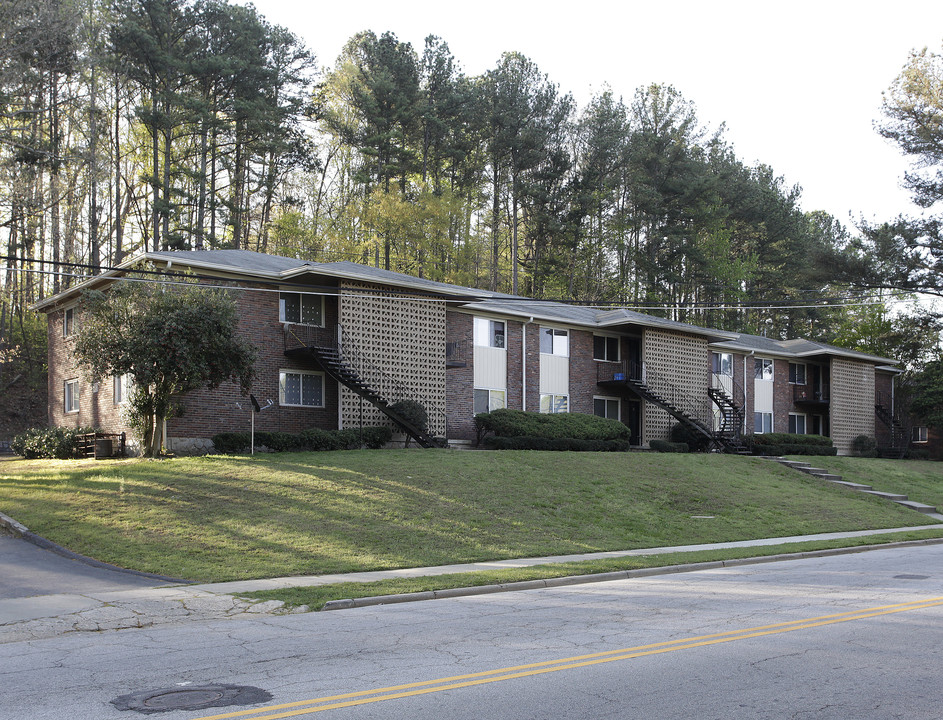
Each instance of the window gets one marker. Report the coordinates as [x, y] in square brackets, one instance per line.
[71, 395]
[554, 403]
[606, 407]
[605, 348]
[301, 309]
[489, 333]
[796, 424]
[722, 364]
[797, 373]
[488, 400]
[68, 322]
[763, 369]
[919, 434]
[122, 386]
[554, 341]
[305, 389]
[762, 422]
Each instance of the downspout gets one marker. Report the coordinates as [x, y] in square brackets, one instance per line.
[524, 363]
[752, 353]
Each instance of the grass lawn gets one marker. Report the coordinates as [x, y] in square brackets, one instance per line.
[225, 518]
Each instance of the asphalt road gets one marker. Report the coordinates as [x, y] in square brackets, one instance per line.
[850, 636]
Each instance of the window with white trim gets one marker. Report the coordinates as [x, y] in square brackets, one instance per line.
[762, 422]
[554, 403]
[487, 400]
[554, 341]
[919, 434]
[606, 407]
[299, 388]
[122, 385]
[489, 333]
[762, 368]
[70, 395]
[605, 348]
[722, 363]
[301, 308]
[797, 373]
[797, 424]
[68, 322]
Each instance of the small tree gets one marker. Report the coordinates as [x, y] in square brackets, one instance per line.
[169, 340]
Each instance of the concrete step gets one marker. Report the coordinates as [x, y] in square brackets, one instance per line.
[919, 507]
[827, 476]
[812, 471]
[794, 464]
[853, 485]
[887, 496]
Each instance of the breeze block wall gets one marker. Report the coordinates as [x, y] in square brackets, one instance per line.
[403, 339]
[852, 405]
[681, 360]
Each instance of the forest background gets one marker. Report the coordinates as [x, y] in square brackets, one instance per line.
[196, 124]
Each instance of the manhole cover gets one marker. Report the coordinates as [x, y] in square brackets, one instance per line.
[191, 698]
[911, 577]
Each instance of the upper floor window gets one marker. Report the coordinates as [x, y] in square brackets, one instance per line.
[605, 348]
[489, 333]
[762, 368]
[722, 364]
[554, 341]
[70, 395]
[797, 373]
[68, 322]
[301, 308]
[122, 386]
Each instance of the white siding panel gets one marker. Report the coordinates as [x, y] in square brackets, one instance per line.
[554, 374]
[491, 368]
[763, 397]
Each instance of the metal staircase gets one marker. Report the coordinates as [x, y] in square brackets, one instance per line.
[899, 432]
[343, 363]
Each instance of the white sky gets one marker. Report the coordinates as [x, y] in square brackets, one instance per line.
[798, 84]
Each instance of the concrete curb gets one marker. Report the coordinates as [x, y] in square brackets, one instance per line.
[21, 531]
[350, 603]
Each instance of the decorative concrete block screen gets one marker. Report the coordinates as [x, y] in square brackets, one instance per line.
[403, 339]
[852, 405]
[682, 361]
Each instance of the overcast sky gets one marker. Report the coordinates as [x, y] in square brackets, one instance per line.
[798, 84]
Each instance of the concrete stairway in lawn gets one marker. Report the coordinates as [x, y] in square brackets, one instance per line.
[837, 479]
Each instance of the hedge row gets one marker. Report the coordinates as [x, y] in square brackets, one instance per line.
[668, 447]
[789, 444]
[312, 439]
[790, 439]
[59, 443]
[578, 426]
[500, 442]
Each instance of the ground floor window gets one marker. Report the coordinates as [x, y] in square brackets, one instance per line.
[762, 422]
[296, 387]
[797, 424]
[919, 434]
[554, 403]
[606, 407]
[488, 400]
[70, 395]
[122, 386]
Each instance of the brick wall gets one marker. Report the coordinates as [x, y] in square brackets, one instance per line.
[582, 372]
[459, 399]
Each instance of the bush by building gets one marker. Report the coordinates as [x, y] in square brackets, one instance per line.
[310, 440]
[789, 444]
[577, 426]
[58, 443]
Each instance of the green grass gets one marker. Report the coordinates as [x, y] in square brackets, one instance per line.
[226, 518]
[316, 596]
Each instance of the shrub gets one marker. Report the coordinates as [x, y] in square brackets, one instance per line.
[864, 446]
[500, 442]
[517, 423]
[789, 444]
[668, 447]
[695, 441]
[56, 443]
[312, 439]
[413, 413]
[231, 442]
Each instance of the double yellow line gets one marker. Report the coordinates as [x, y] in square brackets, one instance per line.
[333, 702]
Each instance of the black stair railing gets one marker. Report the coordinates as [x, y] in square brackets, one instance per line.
[731, 404]
[895, 423]
[340, 356]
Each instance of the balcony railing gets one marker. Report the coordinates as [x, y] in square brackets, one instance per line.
[810, 394]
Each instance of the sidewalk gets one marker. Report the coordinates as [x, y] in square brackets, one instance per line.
[49, 615]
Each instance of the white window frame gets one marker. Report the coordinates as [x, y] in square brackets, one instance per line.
[805, 423]
[497, 399]
[724, 364]
[282, 377]
[303, 298]
[762, 364]
[68, 322]
[70, 396]
[121, 387]
[553, 403]
[608, 399]
[484, 335]
[555, 348]
[762, 417]
[607, 338]
[919, 434]
[805, 373]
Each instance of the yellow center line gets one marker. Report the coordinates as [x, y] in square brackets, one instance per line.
[363, 697]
